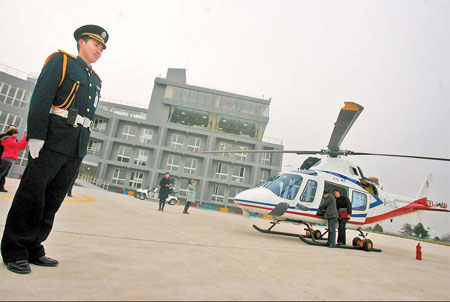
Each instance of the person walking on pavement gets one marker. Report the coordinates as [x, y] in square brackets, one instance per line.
[60, 116]
[328, 207]
[190, 195]
[344, 208]
[11, 148]
[3, 179]
[164, 190]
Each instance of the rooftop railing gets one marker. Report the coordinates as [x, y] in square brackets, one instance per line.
[16, 72]
[272, 140]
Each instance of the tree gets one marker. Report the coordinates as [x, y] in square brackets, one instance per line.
[420, 231]
[378, 228]
[407, 230]
[446, 238]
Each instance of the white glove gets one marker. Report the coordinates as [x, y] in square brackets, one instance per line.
[35, 146]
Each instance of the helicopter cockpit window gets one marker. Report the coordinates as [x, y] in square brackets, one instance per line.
[359, 201]
[285, 185]
[309, 192]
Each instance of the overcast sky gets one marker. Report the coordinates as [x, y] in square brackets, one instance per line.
[392, 57]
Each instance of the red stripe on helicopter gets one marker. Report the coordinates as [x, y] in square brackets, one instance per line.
[289, 212]
[246, 205]
[420, 204]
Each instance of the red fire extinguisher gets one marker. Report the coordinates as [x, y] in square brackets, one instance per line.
[418, 252]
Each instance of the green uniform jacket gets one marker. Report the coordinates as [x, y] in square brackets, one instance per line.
[79, 84]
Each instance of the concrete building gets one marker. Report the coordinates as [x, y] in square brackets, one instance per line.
[132, 147]
[16, 88]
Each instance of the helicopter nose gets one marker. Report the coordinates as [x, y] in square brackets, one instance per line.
[255, 200]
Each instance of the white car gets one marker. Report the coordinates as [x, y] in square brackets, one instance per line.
[142, 194]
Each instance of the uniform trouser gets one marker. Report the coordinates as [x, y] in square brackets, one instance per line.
[341, 231]
[332, 231]
[42, 189]
[186, 207]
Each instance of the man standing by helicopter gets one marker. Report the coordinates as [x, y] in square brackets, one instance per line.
[328, 207]
[344, 208]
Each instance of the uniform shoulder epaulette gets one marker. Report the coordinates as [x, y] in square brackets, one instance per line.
[66, 53]
[97, 75]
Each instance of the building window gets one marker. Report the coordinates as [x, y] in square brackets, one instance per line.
[169, 92]
[241, 156]
[221, 171]
[194, 144]
[14, 96]
[225, 147]
[146, 136]
[233, 192]
[237, 126]
[124, 154]
[177, 141]
[129, 132]
[190, 165]
[7, 119]
[22, 159]
[173, 163]
[263, 176]
[182, 190]
[189, 117]
[118, 177]
[142, 157]
[94, 146]
[238, 174]
[266, 157]
[218, 193]
[136, 179]
[100, 124]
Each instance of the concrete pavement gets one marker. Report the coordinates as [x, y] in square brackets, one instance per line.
[116, 247]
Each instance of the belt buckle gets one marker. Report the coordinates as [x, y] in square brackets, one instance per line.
[91, 126]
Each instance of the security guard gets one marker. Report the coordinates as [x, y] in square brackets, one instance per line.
[60, 117]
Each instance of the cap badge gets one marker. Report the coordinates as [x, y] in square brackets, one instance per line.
[104, 35]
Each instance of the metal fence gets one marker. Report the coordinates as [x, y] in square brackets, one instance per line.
[99, 182]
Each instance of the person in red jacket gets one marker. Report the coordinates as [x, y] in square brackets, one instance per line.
[11, 148]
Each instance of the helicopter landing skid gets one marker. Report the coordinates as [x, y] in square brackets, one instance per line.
[308, 240]
[269, 230]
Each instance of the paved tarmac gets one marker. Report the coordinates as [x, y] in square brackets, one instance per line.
[115, 247]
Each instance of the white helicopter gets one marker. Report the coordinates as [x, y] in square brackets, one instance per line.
[295, 196]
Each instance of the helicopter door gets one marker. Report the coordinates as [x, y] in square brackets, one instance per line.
[359, 201]
[330, 187]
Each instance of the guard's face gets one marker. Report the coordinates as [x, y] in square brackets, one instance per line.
[91, 50]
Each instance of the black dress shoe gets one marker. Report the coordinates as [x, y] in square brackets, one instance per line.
[44, 261]
[3, 190]
[19, 267]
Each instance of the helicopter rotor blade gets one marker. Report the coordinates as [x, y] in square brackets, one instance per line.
[299, 152]
[394, 155]
[347, 116]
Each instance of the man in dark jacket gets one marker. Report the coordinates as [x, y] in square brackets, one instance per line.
[60, 117]
[3, 179]
[328, 207]
[344, 208]
[164, 190]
